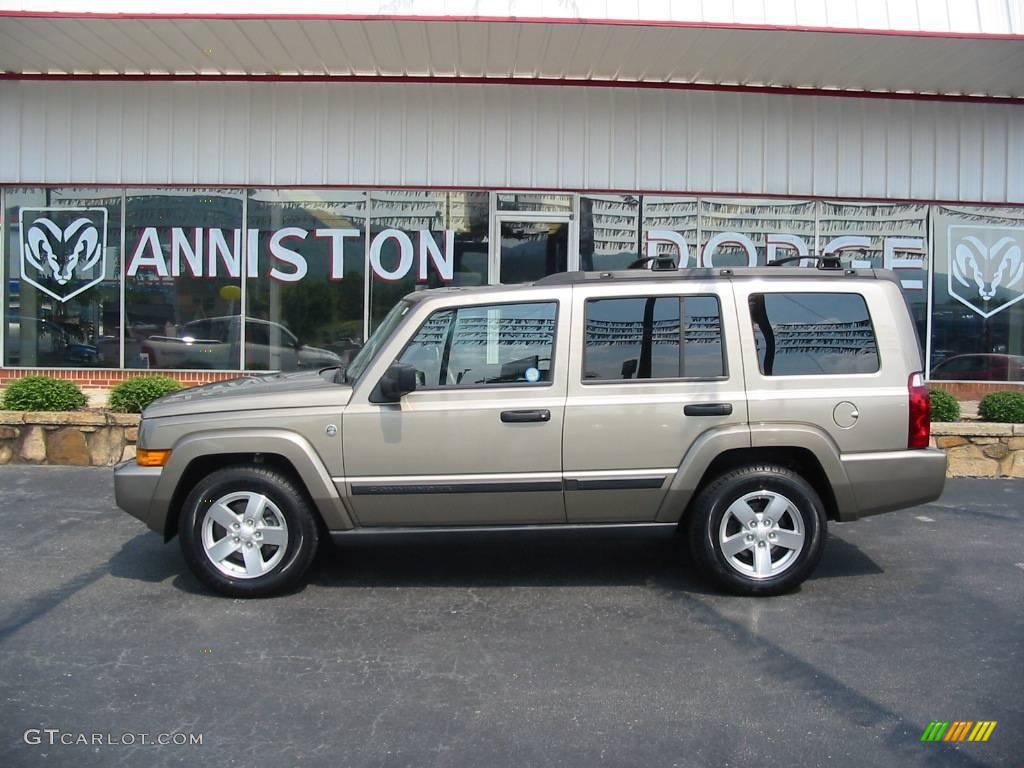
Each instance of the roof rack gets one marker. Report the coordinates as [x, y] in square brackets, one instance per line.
[774, 270]
[658, 263]
[830, 261]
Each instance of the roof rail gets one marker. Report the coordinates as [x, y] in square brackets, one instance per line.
[773, 270]
[657, 263]
[830, 261]
[562, 278]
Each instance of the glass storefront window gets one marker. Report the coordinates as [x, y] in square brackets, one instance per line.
[882, 236]
[532, 249]
[977, 319]
[668, 229]
[744, 232]
[61, 299]
[609, 231]
[183, 279]
[535, 202]
[304, 286]
[324, 267]
[425, 238]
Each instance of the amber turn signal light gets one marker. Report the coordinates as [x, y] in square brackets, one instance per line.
[146, 458]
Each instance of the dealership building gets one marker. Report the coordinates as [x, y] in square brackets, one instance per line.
[214, 187]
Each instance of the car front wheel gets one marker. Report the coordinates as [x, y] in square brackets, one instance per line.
[758, 530]
[248, 531]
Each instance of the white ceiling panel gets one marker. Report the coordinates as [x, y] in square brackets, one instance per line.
[442, 43]
[995, 17]
[502, 49]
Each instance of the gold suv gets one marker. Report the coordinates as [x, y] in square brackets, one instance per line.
[745, 407]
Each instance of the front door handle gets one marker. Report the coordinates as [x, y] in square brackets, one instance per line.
[708, 409]
[518, 417]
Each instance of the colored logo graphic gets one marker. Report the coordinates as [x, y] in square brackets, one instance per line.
[958, 730]
[986, 267]
[63, 250]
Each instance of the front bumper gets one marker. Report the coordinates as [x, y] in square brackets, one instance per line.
[890, 480]
[134, 491]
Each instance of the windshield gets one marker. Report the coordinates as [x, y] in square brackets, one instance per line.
[377, 338]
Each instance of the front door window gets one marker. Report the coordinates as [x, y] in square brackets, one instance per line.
[498, 344]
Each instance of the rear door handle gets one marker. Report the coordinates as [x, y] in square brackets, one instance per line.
[518, 417]
[708, 409]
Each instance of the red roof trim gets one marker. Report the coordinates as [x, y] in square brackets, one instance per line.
[538, 190]
[503, 19]
[537, 81]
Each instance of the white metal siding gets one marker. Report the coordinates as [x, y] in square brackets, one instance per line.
[505, 136]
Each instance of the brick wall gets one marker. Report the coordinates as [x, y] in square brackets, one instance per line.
[104, 378]
[973, 390]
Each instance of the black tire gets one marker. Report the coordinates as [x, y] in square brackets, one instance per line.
[290, 502]
[711, 506]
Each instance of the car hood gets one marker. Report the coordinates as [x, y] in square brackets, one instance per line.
[275, 390]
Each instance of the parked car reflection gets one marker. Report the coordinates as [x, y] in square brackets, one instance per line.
[980, 367]
[54, 344]
[213, 343]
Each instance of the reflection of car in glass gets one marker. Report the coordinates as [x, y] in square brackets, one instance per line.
[212, 343]
[54, 343]
[980, 367]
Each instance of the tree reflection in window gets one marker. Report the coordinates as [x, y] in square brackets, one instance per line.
[813, 333]
[653, 337]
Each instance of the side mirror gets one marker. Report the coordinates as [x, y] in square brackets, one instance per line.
[398, 381]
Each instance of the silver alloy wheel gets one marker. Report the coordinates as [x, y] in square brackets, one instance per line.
[244, 535]
[761, 534]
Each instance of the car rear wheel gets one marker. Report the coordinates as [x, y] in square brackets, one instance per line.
[758, 530]
[248, 531]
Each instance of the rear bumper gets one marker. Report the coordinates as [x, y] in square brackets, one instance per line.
[890, 480]
[134, 490]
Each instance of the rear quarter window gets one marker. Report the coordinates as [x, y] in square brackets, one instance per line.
[813, 334]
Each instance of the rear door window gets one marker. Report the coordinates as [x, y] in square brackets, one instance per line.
[808, 334]
[653, 337]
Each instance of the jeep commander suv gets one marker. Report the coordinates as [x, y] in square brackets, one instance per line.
[745, 406]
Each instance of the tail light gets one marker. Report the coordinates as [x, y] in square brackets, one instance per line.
[920, 428]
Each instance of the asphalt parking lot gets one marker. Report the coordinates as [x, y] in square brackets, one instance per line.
[510, 651]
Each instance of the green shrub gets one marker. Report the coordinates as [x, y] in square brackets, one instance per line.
[1007, 407]
[43, 393]
[133, 395]
[944, 406]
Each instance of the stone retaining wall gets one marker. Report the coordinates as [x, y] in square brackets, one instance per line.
[981, 449]
[77, 437]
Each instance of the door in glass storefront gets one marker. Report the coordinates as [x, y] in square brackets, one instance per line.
[530, 246]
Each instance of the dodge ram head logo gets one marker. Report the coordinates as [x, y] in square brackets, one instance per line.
[63, 250]
[986, 269]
